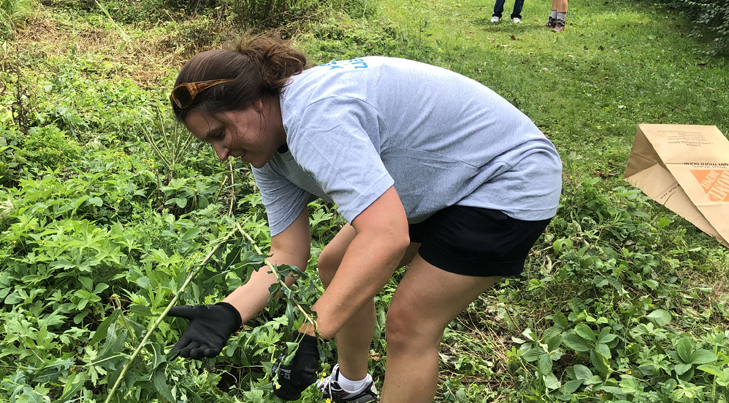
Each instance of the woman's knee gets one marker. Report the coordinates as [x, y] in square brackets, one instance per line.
[406, 329]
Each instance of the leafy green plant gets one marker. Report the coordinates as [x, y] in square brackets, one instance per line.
[688, 357]
[269, 13]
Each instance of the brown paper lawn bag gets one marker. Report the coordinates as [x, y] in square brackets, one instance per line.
[685, 168]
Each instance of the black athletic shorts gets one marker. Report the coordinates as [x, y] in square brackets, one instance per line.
[476, 241]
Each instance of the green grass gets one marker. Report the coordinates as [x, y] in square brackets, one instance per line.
[97, 231]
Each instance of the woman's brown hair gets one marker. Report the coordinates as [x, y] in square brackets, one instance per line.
[259, 66]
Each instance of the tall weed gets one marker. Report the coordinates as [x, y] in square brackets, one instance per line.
[14, 13]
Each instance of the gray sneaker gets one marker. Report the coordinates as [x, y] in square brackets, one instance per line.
[331, 390]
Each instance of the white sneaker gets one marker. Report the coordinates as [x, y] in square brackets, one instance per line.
[495, 19]
[332, 391]
[516, 20]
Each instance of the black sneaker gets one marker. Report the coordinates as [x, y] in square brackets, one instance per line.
[559, 26]
[331, 390]
[551, 22]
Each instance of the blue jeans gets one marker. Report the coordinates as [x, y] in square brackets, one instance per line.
[499, 8]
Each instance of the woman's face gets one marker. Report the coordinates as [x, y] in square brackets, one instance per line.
[250, 134]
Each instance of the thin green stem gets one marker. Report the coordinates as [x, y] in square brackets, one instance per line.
[123, 34]
[105, 359]
[172, 303]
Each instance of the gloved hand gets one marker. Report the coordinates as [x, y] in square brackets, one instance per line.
[209, 329]
[301, 372]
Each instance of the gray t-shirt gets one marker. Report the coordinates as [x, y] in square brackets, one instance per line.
[355, 128]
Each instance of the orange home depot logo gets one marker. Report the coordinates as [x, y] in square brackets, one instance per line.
[715, 183]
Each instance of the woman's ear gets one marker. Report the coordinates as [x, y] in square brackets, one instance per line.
[258, 105]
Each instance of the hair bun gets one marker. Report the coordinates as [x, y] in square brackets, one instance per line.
[276, 59]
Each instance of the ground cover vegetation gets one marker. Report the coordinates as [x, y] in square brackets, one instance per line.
[107, 208]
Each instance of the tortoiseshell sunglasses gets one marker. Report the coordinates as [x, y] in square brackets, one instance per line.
[184, 94]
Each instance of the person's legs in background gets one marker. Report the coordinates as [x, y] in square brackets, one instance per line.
[516, 13]
[498, 10]
[559, 14]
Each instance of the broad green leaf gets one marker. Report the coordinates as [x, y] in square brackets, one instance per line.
[554, 342]
[180, 201]
[599, 363]
[600, 281]
[290, 314]
[545, 363]
[682, 368]
[571, 386]
[660, 317]
[684, 349]
[630, 385]
[160, 383]
[202, 201]
[551, 382]
[582, 372]
[142, 310]
[531, 355]
[712, 369]
[585, 332]
[613, 390]
[160, 359]
[87, 283]
[605, 336]
[582, 251]
[615, 283]
[576, 342]
[13, 299]
[702, 356]
[78, 202]
[594, 380]
[144, 282]
[84, 294]
[100, 288]
[603, 350]
[663, 222]
[560, 320]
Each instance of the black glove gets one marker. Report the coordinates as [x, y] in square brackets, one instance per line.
[301, 372]
[209, 329]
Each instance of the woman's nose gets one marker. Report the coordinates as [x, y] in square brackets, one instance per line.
[221, 151]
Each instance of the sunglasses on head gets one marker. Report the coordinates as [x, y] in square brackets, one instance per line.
[183, 94]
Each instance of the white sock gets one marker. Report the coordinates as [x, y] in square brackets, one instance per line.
[352, 386]
[561, 16]
[554, 14]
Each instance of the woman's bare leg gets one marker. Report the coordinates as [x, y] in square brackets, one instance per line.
[425, 302]
[355, 337]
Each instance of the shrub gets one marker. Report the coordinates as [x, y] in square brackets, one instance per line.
[49, 147]
[711, 15]
[714, 14]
